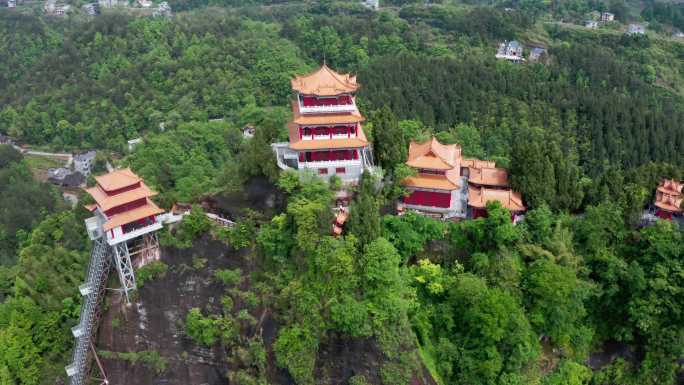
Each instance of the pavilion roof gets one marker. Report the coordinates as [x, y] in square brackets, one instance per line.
[126, 217]
[430, 181]
[477, 163]
[434, 155]
[479, 196]
[488, 176]
[117, 179]
[670, 186]
[324, 82]
[669, 196]
[106, 202]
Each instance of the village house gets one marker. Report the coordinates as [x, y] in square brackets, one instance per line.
[326, 136]
[372, 4]
[111, 3]
[591, 24]
[64, 177]
[90, 9]
[668, 199]
[248, 131]
[636, 29]
[607, 16]
[11, 3]
[133, 143]
[446, 185]
[511, 51]
[163, 9]
[83, 163]
[145, 3]
[538, 54]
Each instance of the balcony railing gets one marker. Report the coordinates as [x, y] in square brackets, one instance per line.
[327, 109]
[118, 238]
[330, 163]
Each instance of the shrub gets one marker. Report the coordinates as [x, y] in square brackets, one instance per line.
[153, 270]
[229, 277]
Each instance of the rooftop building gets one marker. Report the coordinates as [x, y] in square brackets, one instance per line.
[449, 186]
[591, 24]
[668, 198]
[325, 133]
[123, 206]
[84, 162]
[607, 16]
[538, 54]
[511, 51]
[636, 29]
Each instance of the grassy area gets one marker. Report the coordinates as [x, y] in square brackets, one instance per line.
[40, 164]
[429, 361]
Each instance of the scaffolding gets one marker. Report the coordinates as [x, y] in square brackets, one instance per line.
[146, 249]
[93, 292]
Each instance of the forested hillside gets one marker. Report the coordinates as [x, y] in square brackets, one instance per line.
[586, 136]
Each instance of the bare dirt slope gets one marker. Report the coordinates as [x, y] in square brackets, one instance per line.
[154, 322]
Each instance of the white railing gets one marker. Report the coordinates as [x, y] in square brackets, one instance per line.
[330, 163]
[327, 109]
[118, 238]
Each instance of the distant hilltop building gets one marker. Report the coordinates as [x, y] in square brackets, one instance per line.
[52, 8]
[111, 3]
[538, 54]
[607, 16]
[372, 4]
[591, 24]
[636, 29]
[164, 9]
[511, 51]
[90, 9]
[145, 3]
[11, 3]
[326, 136]
[447, 185]
[668, 199]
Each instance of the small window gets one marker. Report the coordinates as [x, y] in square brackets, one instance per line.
[340, 170]
[322, 171]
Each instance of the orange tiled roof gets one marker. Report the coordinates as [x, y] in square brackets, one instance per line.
[670, 186]
[488, 176]
[145, 211]
[319, 144]
[669, 196]
[479, 196]
[117, 179]
[106, 202]
[430, 181]
[434, 155]
[324, 82]
[477, 163]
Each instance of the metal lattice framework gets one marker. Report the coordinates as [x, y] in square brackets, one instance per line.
[101, 258]
[93, 292]
[124, 266]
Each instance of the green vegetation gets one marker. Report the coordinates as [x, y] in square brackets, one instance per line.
[151, 271]
[586, 138]
[149, 358]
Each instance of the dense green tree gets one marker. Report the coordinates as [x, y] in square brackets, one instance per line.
[364, 222]
[390, 144]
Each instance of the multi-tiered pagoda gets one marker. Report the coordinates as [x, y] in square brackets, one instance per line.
[325, 133]
[123, 206]
[668, 199]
